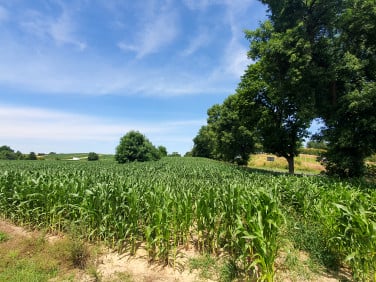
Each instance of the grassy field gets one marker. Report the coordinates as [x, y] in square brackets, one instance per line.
[247, 218]
[303, 163]
[71, 156]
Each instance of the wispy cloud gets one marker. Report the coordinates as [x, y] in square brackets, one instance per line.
[200, 5]
[158, 30]
[210, 62]
[3, 14]
[239, 5]
[60, 29]
[235, 58]
[236, 15]
[49, 72]
[38, 125]
[200, 40]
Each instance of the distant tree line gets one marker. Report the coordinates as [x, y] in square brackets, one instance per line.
[7, 153]
[312, 59]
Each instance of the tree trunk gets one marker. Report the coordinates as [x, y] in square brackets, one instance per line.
[290, 161]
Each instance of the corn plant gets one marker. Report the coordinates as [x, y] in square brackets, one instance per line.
[176, 203]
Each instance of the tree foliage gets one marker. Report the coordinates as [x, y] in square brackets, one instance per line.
[312, 59]
[204, 143]
[162, 151]
[92, 156]
[351, 121]
[7, 153]
[32, 156]
[225, 137]
[134, 146]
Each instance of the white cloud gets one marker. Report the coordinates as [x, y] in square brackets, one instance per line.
[197, 5]
[61, 29]
[235, 58]
[37, 67]
[3, 14]
[202, 39]
[46, 71]
[27, 128]
[239, 5]
[157, 31]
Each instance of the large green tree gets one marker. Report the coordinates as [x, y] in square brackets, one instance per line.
[204, 143]
[234, 141]
[162, 151]
[134, 146]
[315, 58]
[351, 117]
[225, 137]
[7, 153]
[280, 97]
[92, 156]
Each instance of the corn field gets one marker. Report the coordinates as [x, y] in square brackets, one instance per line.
[176, 203]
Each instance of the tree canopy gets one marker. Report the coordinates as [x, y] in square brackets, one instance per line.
[92, 156]
[225, 137]
[134, 146]
[7, 153]
[312, 59]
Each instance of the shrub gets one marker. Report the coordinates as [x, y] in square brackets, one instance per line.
[134, 146]
[32, 156]
[92, 156]
[174, 154]
[162, 151]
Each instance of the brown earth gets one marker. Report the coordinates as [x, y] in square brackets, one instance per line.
[108, 265]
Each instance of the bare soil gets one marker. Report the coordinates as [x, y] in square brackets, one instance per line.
[108, 265]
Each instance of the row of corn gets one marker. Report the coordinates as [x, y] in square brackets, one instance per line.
[178, 203]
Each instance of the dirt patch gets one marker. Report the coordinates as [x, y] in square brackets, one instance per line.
[13, 230]
[111, 264]
[108, 265]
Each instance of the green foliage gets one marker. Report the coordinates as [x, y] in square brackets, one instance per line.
[278, 92]
[321, 145]
[135, 147]
[188, 154]
[22, 260]
[3, 237]
[225, 137]
[235, 142]
[162, 151]
[174, 154]
[313, 59]
[372, 158]
[32, 156]
[312, 151]
[220, 208]
[371, 171]
[6, 153]
[92, 156]
[204, 143]
[309, 237]
[78, 253]
[26, 270]
[206, 265]
[353, 137]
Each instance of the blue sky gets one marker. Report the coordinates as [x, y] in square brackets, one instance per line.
[77, 75]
